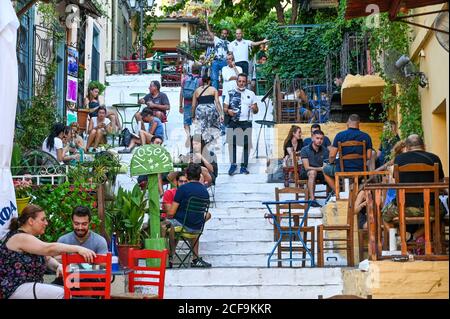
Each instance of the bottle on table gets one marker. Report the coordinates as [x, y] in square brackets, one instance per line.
[114, 253]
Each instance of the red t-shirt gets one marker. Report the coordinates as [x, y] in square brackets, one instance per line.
[168, 198]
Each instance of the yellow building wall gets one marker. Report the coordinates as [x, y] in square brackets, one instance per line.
[434, 62]
[330, 129]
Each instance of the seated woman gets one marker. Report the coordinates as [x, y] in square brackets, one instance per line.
[305, 111]
[54, 144]
[25, 258]
[99, 127]
[205, 157]
[292, 143]
[132, 67]
[74, 143]
[94, 100]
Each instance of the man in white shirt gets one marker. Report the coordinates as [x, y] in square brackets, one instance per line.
[230, 74]
[220, 53]
[240, 49]
[240, 104]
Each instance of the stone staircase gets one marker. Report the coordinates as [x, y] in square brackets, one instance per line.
[237, 240]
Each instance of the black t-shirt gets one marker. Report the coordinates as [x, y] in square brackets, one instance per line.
[289, 144]
[418, 157]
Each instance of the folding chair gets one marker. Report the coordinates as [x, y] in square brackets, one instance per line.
[198, 206]
[138, 273]
[92, 283]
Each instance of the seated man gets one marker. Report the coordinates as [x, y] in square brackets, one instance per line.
[326, 142]
[99, 127]
[156, 128]
[205, 157]
[193, 222]
[415, 154]
[167, 230]
[352, 133]
[312, 159]
[82, 235]
[157, 101]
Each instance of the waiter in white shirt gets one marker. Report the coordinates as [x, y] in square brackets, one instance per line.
[240, 104]
[229, 75]
[240, 49]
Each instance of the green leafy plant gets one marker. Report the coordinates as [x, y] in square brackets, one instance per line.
[58, 203]
[99, 85]
[104, 167]
[22, 188]
[126, 216]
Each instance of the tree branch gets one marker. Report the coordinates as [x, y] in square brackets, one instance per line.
[280, 13]
[295, 8]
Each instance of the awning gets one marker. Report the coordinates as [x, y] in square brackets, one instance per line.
[362, 89]
[364, 8]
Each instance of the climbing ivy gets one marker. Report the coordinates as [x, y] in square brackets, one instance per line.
[150, 23]
[394, 38]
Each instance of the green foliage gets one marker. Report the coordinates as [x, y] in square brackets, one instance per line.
[99, 85]
[37, 120]
[104, 167]
[150, 23]
[58, 203]
[395, 37]
[126, 216]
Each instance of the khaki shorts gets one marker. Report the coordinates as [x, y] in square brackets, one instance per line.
[390, 211]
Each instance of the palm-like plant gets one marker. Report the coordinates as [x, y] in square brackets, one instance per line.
[127, 216]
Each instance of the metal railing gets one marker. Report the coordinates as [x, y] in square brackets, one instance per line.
[131, 67]
[44, 174]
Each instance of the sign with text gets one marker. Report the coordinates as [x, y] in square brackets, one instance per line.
[203, 38]
[320, 4]
[151, 159]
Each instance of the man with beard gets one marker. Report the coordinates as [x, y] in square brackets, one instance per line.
[82, 235]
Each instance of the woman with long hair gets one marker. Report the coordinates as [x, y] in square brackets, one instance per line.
[207, 111]
[93, 101]
[54, 143]
[293, 142]
[25, 258]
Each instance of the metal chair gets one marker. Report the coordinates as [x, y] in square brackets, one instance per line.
[194, 206]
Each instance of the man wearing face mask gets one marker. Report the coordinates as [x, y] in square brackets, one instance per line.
[240, 104]
[220, 53]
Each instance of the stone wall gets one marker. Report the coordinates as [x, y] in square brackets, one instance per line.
[393, 280]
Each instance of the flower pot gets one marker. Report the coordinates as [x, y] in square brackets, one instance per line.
[123, 254]
[22, 203]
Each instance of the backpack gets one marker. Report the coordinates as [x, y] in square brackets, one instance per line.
[125, 137]
[189, 87]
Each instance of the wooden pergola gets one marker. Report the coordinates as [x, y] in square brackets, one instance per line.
[87, 5]
[364, 8]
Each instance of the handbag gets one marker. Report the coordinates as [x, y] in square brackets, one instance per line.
[125, 137]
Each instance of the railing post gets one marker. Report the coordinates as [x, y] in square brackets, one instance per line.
[426, 203]
[401, 208]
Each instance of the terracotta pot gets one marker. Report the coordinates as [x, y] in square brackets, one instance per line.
[82, 116]
[123, 254]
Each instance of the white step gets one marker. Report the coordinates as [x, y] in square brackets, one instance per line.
[273, 283]
[228, 235]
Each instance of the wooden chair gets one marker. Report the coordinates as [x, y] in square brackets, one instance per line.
[351, 156]
[347, 228]
[86, 284]
[143, 272]
[421, 168]
[299, 209]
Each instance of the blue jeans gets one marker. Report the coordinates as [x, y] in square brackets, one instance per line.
[216, 66]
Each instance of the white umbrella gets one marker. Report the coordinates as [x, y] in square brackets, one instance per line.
[8, 92]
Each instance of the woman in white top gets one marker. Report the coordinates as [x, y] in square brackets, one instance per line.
[54, 145]
[99, 126]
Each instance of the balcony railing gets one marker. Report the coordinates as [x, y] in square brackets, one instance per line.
[132, 67]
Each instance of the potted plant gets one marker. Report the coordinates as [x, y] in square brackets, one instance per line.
[126, 218]
[23, 193]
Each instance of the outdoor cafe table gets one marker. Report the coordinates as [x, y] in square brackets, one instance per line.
[138, 95]
[122, 111]
[290, 231]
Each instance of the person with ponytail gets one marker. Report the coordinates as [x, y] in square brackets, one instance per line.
[54, 143]
[25, 258]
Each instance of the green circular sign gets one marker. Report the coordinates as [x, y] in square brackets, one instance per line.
[151, 159]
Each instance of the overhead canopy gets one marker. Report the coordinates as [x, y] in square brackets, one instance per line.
[362, 89]
[364, 8]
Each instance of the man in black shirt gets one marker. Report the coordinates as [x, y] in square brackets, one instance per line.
[415, 154]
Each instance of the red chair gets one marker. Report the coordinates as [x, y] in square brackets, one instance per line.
[75, 283]
[138, 273]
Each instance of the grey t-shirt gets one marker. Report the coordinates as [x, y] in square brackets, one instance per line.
[315, 158]
[94, 242]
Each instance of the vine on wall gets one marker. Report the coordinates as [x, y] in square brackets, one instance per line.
[394, 38]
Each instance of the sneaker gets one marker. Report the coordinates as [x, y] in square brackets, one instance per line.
[244, 170]
[232, 169]
[314, 203]
[125, 151]
[200, 263]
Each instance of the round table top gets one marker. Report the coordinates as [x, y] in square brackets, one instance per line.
[83, 110]
[138, 94]
[124, 105]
